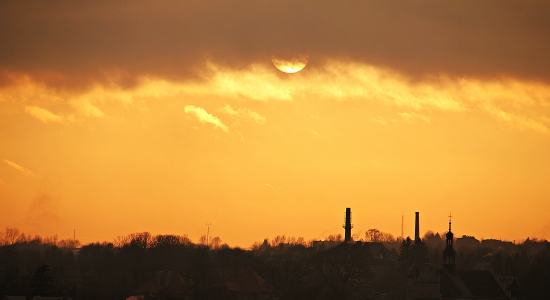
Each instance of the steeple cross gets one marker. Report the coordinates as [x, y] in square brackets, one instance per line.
[450, 217]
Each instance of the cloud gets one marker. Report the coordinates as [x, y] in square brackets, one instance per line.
[245, 113]
[86, 108]
[520, 104]
[240, 136]
[229, 110]
[43, 114]
[518, 121]
[423, 39]
[380, 120]
[205, 117]
[34, 95]
[412, 116]
[17, 167]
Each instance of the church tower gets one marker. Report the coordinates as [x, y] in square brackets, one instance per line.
[449, 253]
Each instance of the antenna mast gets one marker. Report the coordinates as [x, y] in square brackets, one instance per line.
[208, 233]
[402, 216]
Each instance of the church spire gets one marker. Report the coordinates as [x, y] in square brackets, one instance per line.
[449, 253]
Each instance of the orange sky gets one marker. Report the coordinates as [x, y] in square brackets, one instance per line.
[162, 116]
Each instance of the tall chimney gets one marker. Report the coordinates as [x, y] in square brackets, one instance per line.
[348, 226]
[417, 227]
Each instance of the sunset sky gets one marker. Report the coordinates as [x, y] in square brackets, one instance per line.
[160, 116]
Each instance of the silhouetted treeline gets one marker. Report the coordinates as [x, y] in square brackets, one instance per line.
[292, 267]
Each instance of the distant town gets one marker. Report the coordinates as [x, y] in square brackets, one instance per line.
[378, 266]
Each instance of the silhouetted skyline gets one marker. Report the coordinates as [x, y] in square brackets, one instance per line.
[13, 235]
[161, 116]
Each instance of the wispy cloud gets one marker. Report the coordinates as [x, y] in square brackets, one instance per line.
[86, 108]
[71, 105]
[43, 114]
[518, 121]
[205, 117]
[380, 120]
[245, 113]
[412, 116]
[520, 104]
[17, 167]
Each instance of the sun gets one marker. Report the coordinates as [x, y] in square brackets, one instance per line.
[292, 65]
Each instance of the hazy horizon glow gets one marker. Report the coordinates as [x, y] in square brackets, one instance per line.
[119, 124]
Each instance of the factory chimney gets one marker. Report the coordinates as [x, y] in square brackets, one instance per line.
[417, 227]
[347, 226]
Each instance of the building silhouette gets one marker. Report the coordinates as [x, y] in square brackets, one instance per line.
[449, 283]
[449, 253]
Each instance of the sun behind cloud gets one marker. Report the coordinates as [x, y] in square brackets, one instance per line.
[290, 65]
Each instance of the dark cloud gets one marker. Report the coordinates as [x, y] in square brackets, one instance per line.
[71, 42]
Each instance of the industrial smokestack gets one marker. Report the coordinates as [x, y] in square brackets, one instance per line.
[417, 227]
[348, 226]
